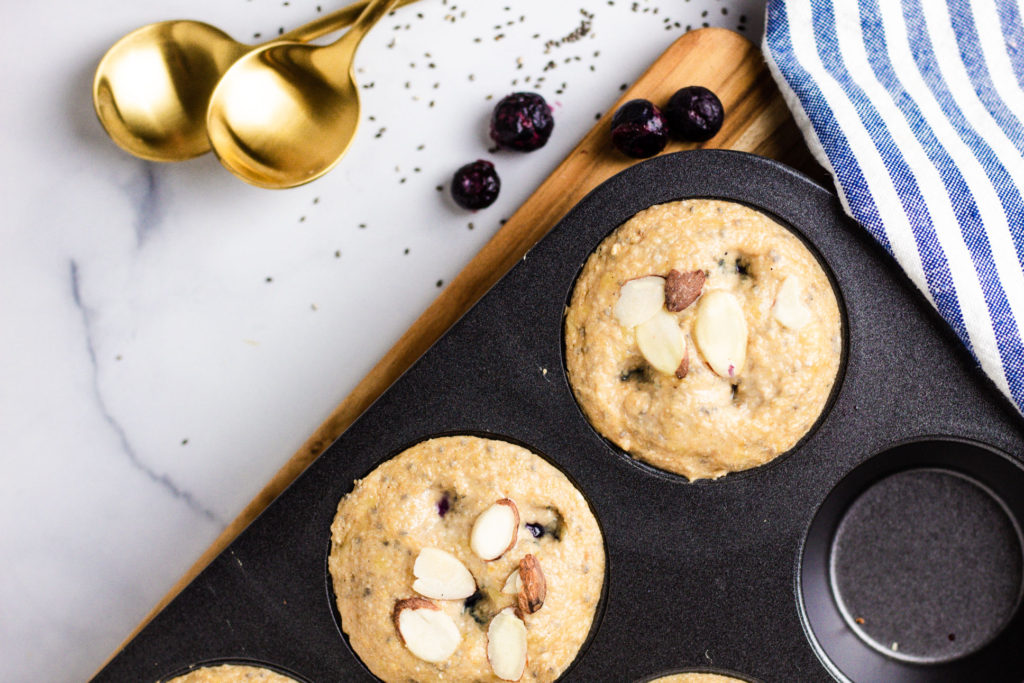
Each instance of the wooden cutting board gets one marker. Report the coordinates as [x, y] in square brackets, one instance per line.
[756, 120]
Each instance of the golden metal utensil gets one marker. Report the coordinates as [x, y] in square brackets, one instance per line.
[285, 113]
[152, 87]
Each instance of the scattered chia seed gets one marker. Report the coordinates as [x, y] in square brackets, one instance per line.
[576, 34]
[439, 283]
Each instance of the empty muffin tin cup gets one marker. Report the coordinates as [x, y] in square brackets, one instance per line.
[911, 570]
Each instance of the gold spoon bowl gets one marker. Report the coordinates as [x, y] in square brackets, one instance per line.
[285, 113]
[152, 87]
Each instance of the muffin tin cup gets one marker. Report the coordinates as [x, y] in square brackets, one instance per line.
[236, 662]
[912, 567]
[699, 576]
[718, 672]
[598, 613]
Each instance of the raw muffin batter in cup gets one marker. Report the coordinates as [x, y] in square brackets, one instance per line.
[703, 338]
[696, 678]
[232, 673]
[461, 556]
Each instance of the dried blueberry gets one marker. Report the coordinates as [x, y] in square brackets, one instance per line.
[536, 530]
[639, 129]
[694, 113]
[443, 505]
[637, 374]
[479, 607]
[522, 121]
[475, 185]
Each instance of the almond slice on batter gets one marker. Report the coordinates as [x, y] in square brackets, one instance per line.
[513, 584]
[495, 530]
[506, 645]
[682, 289]
[533, 587]
[789, 308]
[720, 332]
[425, 630]
[661, 342]
[639, 300]
[442, 576]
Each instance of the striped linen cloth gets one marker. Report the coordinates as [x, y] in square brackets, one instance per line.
[916, 107]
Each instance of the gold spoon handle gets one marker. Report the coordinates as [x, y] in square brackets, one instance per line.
[340, 53]
[332, 21]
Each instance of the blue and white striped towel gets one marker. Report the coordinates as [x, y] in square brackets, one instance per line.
[917, 109]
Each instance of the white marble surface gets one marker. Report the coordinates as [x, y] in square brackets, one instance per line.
[171, 336]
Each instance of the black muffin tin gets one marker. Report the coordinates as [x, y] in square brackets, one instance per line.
[915, 466]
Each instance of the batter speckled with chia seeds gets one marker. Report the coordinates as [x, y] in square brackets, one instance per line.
[430, 496]
[706, 423]
[232, 673]
[697, 678]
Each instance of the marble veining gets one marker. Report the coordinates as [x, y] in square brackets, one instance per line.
[144, 191]
[162, 480]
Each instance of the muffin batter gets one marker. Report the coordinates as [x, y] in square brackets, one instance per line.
[709, 421]
[232, 673]
[430, 496]
[696, 678]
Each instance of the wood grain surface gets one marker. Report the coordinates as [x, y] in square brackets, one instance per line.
[756, 120]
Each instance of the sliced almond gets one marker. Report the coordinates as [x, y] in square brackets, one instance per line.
[534, 588]
[661, 342]
[720, 331]
[639, 299]
[429, 633]
[682, 289]
[684, 367]
[789, 308]
[495, 530]
[442, 576]
[506, 645]
[513, 584]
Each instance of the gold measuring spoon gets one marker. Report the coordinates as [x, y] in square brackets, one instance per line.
[284, 114]
[152, 87]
